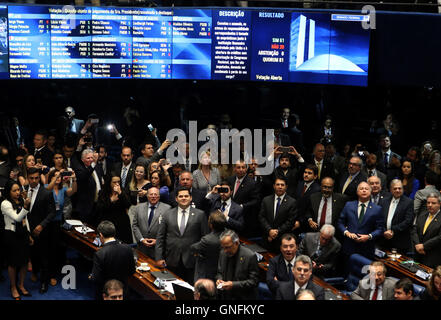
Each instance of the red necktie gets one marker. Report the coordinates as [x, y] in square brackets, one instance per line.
[237, 186]
[304, 189]
[374, 296]
[323, 216]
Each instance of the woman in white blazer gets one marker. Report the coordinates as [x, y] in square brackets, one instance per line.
[17, 239]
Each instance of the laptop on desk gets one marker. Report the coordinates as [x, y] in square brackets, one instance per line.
[182, 293]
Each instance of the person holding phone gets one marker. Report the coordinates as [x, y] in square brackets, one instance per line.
[113, 205]
[63, 184]
[29, 162]
[15, 209]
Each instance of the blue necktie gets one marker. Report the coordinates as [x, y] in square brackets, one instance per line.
[124, 177]
[290, 276]
[386, 159]
[152, 213]
[277, 207]
[223, 206]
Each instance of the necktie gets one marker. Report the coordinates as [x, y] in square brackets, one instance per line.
[277, 206]
[304, 189]
[371, 173]
[31, 191]
[237, 186]
[374, 296]
[223, 206]
[392, 208]
[285, 124]
[124, 177]
[386, 159]
[348, 181]
[182, 227]
[323, 215]
[428, 221]
[360, 218]
[290, 276]
[152, 213]
[318, 167]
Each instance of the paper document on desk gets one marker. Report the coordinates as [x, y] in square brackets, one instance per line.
[74, 222]
[81, 229]
[169, 286]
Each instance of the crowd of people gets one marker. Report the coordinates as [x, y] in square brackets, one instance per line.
[313, 211]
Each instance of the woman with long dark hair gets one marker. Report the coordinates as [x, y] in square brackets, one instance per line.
[433, 289]
[17, 238]
[113, 205]
[407, 175]
[159, 181]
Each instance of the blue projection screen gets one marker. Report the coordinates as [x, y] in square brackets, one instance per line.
[279, 45]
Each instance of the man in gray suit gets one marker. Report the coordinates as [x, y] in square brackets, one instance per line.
[238, 272]
[207, 250]
[376, 286]
[145, 225]
[419, 203]
[178, 230]
[323, 248]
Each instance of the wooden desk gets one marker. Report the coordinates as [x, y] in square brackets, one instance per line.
[141, 282]
[263, 266]
[396, 270]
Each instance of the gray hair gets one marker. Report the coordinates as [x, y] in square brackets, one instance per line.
[86, 151]
[303, 259]
[434, 195]
[230, 233]
[394, 182]
[328, 229]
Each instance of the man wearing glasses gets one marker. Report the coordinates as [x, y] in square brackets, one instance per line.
[349, 180]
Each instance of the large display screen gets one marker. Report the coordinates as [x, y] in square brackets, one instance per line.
[55, 42]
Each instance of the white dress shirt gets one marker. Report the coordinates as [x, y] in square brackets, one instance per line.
[390, 215]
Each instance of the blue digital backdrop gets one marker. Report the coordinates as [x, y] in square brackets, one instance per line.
[42, 42]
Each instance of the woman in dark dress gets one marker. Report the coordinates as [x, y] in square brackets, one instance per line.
[113, 205]
[16, 236]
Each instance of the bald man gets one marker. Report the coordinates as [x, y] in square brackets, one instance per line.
[361, 222]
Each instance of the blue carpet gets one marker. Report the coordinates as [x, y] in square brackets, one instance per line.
[85, 289]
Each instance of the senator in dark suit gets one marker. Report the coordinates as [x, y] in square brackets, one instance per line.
[277, 215]
[398, 218]
[323, 248]
[317, 213]
[113, 261]
[146, 219]
[232, 211]
[302, 273]
[179, 229]
[305, 189]
[125, 168]
[207, 250]
[280, 266]
[349, 180]
[426, 233]
[198, 196]
[89, 181]
[246, 194]
[40, 149]
[41, 213]
[238, 271]
[325, 168]
[361, 222]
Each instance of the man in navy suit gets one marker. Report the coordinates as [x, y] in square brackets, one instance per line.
[305, 189]
[222, 201]
[350, 179]
[125, 168]
[280, 267]
[41, 213]
[398, 218]
[277, 214]
[302, 273]
[113, 261]
[361, 222]
[246, 194]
